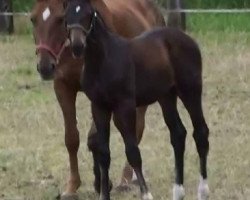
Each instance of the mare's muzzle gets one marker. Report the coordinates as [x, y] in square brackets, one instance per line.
[46, 65]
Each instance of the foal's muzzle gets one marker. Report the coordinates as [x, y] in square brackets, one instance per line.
[78, 42]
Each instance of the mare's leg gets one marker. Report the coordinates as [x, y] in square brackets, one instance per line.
[178, 137]
[128, 175]
[66, 98]
[192, 99]
[125, 121]
[93, 147]
[102, 155]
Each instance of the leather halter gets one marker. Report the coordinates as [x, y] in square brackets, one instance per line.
[79, 26]
[54, 52]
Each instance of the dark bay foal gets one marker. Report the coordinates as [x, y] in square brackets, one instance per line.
[121, 74]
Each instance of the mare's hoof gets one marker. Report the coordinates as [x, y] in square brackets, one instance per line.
[97, 186]
[69, 197]
[135, 182]
[123, 188]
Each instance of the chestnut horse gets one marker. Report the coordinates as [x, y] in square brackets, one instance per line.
[120, 74]
[55, 61]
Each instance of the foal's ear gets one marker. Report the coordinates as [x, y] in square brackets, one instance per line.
[64, 2]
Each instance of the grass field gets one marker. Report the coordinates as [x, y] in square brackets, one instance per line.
[34, 161]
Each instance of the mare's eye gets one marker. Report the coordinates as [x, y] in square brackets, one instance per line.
[5, 7]
[33, 20]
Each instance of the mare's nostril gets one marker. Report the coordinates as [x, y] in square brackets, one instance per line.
[38, 67]
[53, 66]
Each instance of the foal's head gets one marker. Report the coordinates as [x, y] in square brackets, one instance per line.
[50, 34]
[80, 17]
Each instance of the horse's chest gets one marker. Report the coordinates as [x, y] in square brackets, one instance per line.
[98, 90]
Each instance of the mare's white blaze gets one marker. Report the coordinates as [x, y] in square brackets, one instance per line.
[178, 192]
[78, 8]
[203, 190]
[147, 196]
[46, 14]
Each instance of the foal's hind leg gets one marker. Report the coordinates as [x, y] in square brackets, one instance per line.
[125, 121]
[66, 98]
[178, 136]
[193, 103]
[128, 175]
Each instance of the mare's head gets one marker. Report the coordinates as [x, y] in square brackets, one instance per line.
[50, 34]
[80, 17]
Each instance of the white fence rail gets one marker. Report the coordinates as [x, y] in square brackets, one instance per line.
[170, 11]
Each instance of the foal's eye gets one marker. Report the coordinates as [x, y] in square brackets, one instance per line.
[65, 3]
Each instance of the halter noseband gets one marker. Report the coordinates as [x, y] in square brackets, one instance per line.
[54, 52]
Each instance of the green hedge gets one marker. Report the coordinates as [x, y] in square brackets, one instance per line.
[21, 5]
[213, 3]
[217, 3]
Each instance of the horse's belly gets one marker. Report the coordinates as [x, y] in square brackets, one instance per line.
[150, 89]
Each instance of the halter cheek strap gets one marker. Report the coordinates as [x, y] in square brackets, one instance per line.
[79, 26]
[54, 52]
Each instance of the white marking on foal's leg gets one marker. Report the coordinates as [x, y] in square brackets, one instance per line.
[203, 190]
[134, 177]
[46, 14]
[147, 196]
[178, 192]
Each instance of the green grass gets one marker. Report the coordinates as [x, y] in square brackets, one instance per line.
[34, 160]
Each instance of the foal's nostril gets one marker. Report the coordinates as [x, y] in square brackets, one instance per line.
[78, 50]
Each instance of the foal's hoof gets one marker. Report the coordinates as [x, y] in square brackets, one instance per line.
[203, 190]
[123, 188]
[69, 197]
[97, 186]
[147, 196]
[178, 192]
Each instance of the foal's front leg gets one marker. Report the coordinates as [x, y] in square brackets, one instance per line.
[66, 98]
[102, 118]
[93, 147]
[125, 121]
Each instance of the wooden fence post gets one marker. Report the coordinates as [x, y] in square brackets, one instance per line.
[176, 19]
[6, 22]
